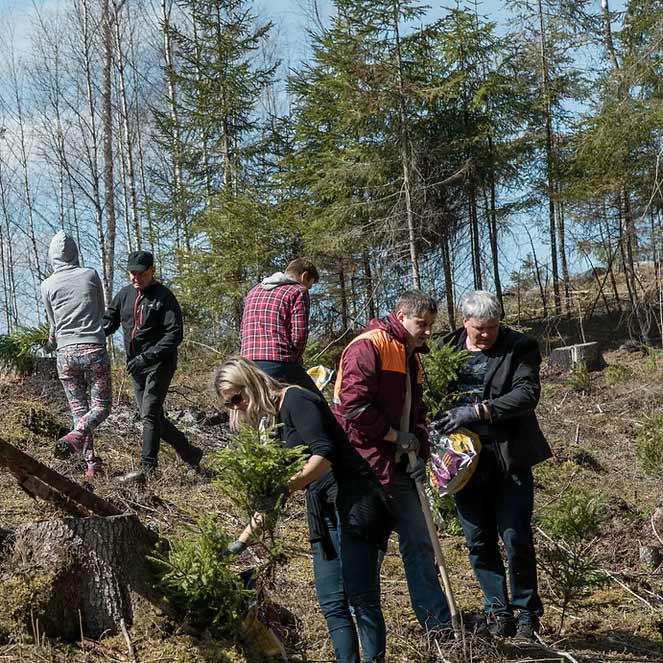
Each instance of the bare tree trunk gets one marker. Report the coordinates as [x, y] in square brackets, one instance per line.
[370, 290]
[344, 297]
[474, 238]
[537, 272]
[23, 159]
[550, 161]
[448, 281]
[90, 125]
[11, 302]
[141, 157]
[492, 228]
[405, 153]
[176, 147]
[562, 255]
[109, 177]
[623, 253]
[128, 137]
[607, 32]
[5, 284]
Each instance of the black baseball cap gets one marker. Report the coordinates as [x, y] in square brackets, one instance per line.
[139, 261]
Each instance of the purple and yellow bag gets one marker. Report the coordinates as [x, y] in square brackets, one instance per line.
[453, 460]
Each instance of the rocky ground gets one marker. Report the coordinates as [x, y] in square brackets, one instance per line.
[592, 433]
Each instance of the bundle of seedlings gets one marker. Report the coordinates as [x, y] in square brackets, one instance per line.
[253, 472]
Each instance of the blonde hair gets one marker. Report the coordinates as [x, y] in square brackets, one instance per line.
[262, 392]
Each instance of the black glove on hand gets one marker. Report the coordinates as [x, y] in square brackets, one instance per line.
[407, 441]
[136, 365]
[417, 470]
[453, 419]
[235, 548]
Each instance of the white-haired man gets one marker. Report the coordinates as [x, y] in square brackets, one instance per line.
[499, 389]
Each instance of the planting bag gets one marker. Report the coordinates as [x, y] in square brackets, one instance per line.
[454, 459]
[320, 375]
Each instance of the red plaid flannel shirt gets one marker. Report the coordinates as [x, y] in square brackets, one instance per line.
[275, 323]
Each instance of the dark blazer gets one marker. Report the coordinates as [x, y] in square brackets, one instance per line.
[511, 391]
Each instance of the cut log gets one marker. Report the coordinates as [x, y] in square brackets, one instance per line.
[587, 353]
[39, 480]
[81, 573]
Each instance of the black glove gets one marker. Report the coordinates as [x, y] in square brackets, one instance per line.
[417, 470]
[136, 365]
[451, 420]
[407, 441]
[51, 344]
[234, 548]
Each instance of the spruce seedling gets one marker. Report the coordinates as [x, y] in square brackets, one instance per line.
[441, 366]
[195, 575]
[649, 443]
[253, 472]
[571, 524]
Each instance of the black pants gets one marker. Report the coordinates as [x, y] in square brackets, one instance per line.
[495, 505]
[150, 389]
[288, 372]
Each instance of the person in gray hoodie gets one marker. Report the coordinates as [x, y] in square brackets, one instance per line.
[74, 301]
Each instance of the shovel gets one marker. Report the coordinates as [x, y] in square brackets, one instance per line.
[456, 617]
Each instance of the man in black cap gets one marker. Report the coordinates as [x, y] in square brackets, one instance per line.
[152, 325]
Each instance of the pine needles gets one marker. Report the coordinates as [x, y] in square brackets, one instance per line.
[254, 472]
[18, 349]
[196, 576]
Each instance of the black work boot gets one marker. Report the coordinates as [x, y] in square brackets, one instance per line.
[502, 626]
[193, 459]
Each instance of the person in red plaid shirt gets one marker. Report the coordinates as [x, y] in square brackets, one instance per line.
[275, 323]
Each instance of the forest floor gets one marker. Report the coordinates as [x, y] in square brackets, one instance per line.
[592, 435]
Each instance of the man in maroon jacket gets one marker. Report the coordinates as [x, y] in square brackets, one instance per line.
[378, 402]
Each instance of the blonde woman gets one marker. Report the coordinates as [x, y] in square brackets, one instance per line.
[342, 496]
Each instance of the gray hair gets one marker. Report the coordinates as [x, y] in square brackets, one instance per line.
[482, 305]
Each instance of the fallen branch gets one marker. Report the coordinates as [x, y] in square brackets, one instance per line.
[130, 645]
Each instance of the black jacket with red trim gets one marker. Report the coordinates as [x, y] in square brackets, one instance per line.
[151, 322]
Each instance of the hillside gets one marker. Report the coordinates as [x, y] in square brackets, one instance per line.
[592, 435]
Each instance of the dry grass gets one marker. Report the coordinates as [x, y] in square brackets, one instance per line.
[593, 443]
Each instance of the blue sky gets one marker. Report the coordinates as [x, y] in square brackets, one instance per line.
[291, 19]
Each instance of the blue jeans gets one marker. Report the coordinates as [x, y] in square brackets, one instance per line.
[333, 600]
[361, 572]
[361, 575]
[288, 372]
[492, 504]
[426, 596]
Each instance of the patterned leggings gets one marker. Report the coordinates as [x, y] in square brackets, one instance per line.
[82, 367]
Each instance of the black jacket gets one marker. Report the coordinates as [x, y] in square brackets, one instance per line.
[151, 322]
[511, 390]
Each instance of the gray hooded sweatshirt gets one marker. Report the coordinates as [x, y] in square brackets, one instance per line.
[277, 279]
[73, 296]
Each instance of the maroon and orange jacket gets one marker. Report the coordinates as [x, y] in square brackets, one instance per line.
[370, 390]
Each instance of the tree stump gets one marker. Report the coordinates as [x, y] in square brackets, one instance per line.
[80, 573]
[587, 353]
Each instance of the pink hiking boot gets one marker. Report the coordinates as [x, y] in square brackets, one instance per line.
[68, 445]
[94, 467]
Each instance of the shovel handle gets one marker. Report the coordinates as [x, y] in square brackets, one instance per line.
[456, 619]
